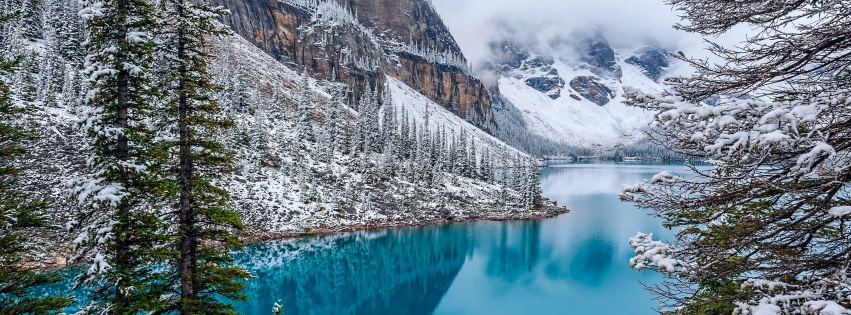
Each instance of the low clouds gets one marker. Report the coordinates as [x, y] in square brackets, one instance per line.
[475, 23]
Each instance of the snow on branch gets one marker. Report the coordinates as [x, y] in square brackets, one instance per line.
[779, 298]
[650, 253]
[744, 127]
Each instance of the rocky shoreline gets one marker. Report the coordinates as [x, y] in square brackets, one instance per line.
[549, 210]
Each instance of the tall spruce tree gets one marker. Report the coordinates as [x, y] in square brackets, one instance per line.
[305, 111]
[121, 220]
[18, 212]
[31, 20]
[331, 134]
[203, 263]
[533, 185]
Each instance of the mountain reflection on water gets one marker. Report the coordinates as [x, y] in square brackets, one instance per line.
[577, 263]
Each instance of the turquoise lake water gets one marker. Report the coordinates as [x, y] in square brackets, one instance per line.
[577, 263]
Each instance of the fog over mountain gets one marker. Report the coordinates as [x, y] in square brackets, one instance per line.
[473, 22]
[624, 23]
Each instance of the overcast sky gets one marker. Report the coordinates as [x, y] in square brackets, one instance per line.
[622, 22]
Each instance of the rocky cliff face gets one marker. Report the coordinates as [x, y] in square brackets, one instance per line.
[359, 41]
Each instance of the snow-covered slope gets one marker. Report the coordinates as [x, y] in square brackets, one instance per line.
[406, 99]
[283, 184]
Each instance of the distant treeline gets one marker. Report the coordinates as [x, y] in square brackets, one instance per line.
[512, 129]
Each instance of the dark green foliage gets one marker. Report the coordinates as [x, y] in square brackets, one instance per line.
[122, 228]
[19, 212]
[205, 222]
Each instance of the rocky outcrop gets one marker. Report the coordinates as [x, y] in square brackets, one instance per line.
[359, 41]
[592, 90]
[551, 86]
[651, 61]
[597, 53]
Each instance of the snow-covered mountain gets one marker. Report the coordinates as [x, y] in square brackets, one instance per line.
[570, 92]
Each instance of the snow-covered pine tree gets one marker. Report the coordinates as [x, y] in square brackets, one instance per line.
[533, 187]
[392, 162]
[202, 263]
[373, 127]
[31, 21]
[120, 220]
[19, 211]
[412, 140]
[472, 166]
[236, 85]
[766, 231]
[346, 139]
[52, 71]
[485, 171]
[452, 156]
[28, 89]
[423, 161]
[260, 136]
[361, 132]
[518, 173]
[305, 111]
[328, 135]
[526, 188]
[404, 145]
[443, 150]
[278, 100]
[70, 32]
[462, 155]
[389, 122]
[334, 121]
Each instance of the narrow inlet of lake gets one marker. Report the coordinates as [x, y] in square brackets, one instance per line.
[577, 263]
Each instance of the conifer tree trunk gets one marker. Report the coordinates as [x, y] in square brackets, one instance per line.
[187, 246]
[122, 250]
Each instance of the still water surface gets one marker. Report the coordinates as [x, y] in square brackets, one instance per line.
[577, 263]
